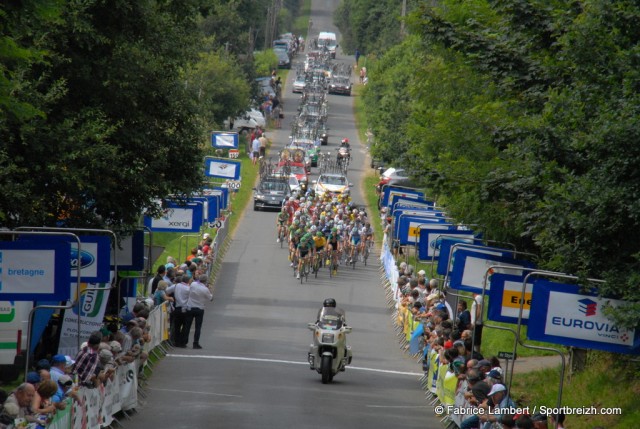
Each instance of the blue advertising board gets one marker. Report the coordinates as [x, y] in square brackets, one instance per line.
[222, 192]
[94, 257]
[564, 314]
[35, 270]
[225, 140]
[222, 168]
[470, 266]
[211, 206]
[177, 218]
[399, 200]
[505, 295]
[447, 244]
[388, 191]
[408, 227]
[430, 241]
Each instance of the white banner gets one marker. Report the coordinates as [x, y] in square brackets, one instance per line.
[175, 218]
[226, 170]
[128, 382]
[21, 272]
[476, 268]
[92, 305]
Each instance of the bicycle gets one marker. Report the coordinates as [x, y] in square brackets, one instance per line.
[317, 263]
[282, 235]
[367, 251]
[304, 269]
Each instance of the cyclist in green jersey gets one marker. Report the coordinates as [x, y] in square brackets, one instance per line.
[304, 248]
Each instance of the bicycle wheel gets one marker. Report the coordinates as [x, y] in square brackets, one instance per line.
[365, 255]
[302, 271]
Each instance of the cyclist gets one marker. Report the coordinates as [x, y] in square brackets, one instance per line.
[333, 247]
[345, 143]
[367, 233]
[304, 248]
[281, 223]
[319, 243]
[354, 239]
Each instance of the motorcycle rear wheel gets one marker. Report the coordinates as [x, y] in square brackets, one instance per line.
[325, 369]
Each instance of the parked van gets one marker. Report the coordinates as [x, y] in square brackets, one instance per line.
[328, 40]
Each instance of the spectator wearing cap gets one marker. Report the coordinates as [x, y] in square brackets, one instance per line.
[106, 368]
[494, 377]
[58, 367]
[86, 361]
[43, 364]
[65, 390]
[498, 400]
[422, 275]
[484, 366]
[33, 378]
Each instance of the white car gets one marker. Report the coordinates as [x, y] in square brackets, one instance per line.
[333, 183]
[246, 122]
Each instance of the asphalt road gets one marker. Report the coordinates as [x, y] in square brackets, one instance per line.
[252, 370]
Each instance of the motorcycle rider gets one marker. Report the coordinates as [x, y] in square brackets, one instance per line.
[329, 308]
[345, 143]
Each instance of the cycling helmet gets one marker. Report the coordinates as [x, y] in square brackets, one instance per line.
[319, 234]
[334, 229]
[345, 140]
[313, 228]
[329, 302]
[291, 199]
[307, 237]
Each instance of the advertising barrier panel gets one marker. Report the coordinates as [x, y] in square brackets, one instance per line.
[431, 237]
[505, 294]
[565, 315]
[470, 267]
[177, 218]
[24, 277]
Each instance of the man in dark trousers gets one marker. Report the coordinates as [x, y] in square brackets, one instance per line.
[199, 295]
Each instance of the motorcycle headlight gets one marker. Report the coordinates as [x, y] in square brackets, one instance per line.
[328, 338]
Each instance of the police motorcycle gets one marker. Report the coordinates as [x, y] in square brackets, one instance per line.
[329, 353]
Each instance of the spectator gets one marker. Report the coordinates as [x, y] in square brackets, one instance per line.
[58, 367]
[160, 273]
[464, 316]
[42, 406]
[160, 295]
[557, 419]
[199, 295]
[524, 422]
[87, 360]
[43, 364]
[476, 321]
[539, 421]
[255, 150]
[22, 398]
[65, 390]
[498, 400]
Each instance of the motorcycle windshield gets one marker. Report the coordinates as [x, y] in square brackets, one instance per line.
[329, 321]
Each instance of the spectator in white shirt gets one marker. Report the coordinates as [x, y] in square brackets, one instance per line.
[198, 298]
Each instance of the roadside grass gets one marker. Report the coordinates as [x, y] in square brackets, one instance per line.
[604, 383]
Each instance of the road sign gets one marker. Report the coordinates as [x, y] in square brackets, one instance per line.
[234, 153]
[507, 355]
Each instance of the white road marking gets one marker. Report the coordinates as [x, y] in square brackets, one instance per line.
[385, 371]
[195, 391]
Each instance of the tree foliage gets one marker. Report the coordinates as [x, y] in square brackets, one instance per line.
[522, 117]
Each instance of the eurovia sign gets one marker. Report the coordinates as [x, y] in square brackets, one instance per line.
[565, 315]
